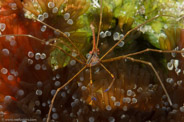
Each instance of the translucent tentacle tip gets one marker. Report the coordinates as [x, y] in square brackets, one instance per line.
[106, 90]
[93, 98]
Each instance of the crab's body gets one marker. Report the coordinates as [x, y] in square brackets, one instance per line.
[93, 59]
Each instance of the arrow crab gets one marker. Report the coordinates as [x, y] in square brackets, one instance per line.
[123, 71]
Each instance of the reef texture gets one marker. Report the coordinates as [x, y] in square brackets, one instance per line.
[32, 65]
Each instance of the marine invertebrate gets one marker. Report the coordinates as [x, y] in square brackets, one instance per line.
[128, 94]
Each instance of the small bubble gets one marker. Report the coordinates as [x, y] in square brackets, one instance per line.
[66, 87]
[15, 73]
[121, 36]
[179, 82]
[66, 16]
[7, 99]
[73, 104]
[139, 90]
[12, 71]
[76, 100]
[53, 92]
[10, 38]
[43, 28]
[37, 67]
[47, 43]
[12, 42]
[79, 111]
[117, 103]
[182, 54]
[4, 71]
[37, 56]
[43, 104]
[54, 10]
[57, 83]
[129, 92]
[20, 92]
[5, 52]
[121, 44]
[113, 98]
[173, 54]
[111, 119]
[2, 26]
[51, 5]
[70, 22]
[91, 119]
[74, 54]
[125, 108]
[174, 111]
[134, 100]
[107, 33]
[63, 94]
[30, 61]
[41, 17]
[88, 55]
[126, 100]
[58, 76]
[79, 84]
[72, 62]
[38, 112]
[37, 103]
[45, 15]
[81, 78]
[48, 102]
[74, 96]
[68, 91]
[44, 67]
[123, 116]
[102, 34]
[170, 66]
[38, 92]
[13, 6]
[164, 97]
[71, 114]
[67, 34]
[108, 107]
[176, 63]
[10, 77]
[83, 88]
[30, 54]
[116, 36]
[43, 56]
[55, 116]
[39, 84]
[170, 80]
[53, 109]
[177, 70]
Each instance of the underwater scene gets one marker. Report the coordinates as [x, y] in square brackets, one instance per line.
[91, 61]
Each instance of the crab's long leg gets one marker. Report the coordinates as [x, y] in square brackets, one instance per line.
[100, 24]
[65, 37]
[94, 40]
[140, 52]
[43, 42]
[59, 89]
[113, 78]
